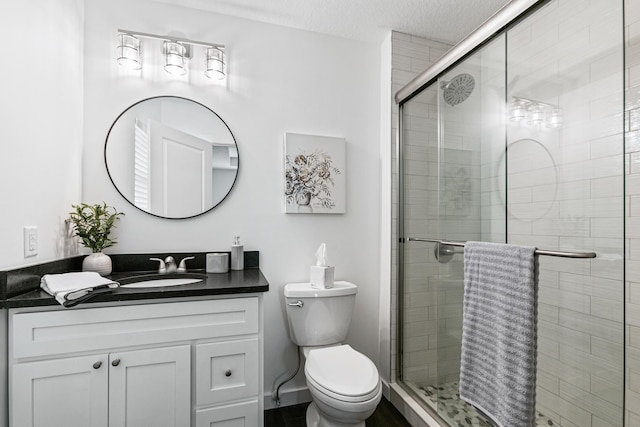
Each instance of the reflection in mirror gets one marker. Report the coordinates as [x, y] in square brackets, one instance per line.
[171, 157]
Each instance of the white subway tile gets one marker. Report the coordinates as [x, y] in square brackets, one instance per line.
[565, 409]
[602, 328]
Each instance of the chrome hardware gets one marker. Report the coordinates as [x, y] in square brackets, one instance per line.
[97, 364]
[444, 253]
[298, 304]
[227, 373]
[171, 264]
[162, 268]
[561, 254]
[115, 362]
[182, 268]
[168, 265]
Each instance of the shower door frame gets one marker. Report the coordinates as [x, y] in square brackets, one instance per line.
[509, 15]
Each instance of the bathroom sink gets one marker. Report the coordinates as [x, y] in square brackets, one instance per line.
[160, 280]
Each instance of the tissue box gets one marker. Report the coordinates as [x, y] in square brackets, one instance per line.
[321, 277]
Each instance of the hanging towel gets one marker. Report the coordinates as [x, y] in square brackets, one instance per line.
[499, 332]
[70, 288]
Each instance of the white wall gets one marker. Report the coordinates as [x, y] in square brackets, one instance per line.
[41, 110]
[280, 80]
[386, 102]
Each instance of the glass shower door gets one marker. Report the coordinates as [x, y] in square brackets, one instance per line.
[471, 141]
[565, 104]
[453, 133]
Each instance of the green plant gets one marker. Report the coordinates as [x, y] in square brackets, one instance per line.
[93, 223]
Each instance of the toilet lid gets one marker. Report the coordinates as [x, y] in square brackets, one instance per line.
[343, 371]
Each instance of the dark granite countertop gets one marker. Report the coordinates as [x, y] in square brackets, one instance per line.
[233, 282]
[21, 287]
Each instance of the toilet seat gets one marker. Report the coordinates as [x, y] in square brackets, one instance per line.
[342, 373]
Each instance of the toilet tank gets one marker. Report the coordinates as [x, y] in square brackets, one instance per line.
[319, 316]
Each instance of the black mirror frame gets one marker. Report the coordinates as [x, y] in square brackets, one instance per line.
[151, 213]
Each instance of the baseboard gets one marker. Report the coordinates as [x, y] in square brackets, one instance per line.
[386, 390]
[288, 398]
[415, 414]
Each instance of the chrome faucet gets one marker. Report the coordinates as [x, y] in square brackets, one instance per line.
[182, 268]
[168, 265]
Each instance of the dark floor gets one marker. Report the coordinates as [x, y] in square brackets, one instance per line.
[386, 415]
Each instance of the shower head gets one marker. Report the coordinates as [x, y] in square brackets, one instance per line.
[458, 89]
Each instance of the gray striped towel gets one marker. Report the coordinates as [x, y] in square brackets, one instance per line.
[499, 332]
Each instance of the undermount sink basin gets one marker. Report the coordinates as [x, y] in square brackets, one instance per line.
[157, 280]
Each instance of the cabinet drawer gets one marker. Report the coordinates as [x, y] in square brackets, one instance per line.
[226, 371]
[58, 332]
[238, 415]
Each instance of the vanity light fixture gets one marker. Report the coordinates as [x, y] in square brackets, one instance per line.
[555, 118]
[534, 112]
[175, 58]
[517, 110]
[176, 51]
[129, 52]
[215, 63]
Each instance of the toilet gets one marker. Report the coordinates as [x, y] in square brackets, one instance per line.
[344, 384]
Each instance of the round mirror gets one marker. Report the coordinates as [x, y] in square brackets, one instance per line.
[171, 157]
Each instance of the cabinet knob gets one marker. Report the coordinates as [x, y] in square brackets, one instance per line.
[97, 364]
[115, 362]
[227, 373]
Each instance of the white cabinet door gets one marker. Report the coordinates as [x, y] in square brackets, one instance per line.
[69, 392]
[150, 387]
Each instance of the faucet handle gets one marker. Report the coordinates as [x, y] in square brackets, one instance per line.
[162, 268]
[182, 268]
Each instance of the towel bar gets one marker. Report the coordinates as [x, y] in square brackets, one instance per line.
[563, 254]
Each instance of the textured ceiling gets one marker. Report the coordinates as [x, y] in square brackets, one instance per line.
[368, 20]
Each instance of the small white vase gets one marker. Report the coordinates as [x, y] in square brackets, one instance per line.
[98, 262]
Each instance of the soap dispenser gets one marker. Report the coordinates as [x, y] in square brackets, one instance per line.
[237, 255]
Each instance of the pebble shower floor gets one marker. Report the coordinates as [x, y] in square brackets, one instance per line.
[458, 413]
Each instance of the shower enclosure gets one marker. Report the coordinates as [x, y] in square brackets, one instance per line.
[520, 140]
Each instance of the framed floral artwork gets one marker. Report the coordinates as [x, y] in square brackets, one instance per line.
[314, 173]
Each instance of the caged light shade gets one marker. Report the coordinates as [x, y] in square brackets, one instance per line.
[214, 63]
[517, 110]
[129, 52]
[555, 118]
[175, 58]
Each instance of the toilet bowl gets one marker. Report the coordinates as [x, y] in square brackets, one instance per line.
[344, 385]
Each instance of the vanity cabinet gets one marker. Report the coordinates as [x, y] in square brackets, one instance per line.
[135, 388]
[177, 364]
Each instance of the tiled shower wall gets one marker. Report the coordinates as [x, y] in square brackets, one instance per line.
[632, 186]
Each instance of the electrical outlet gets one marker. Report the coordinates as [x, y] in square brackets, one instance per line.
[30, 241]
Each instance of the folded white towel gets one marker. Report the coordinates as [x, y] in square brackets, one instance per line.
[71, 286]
